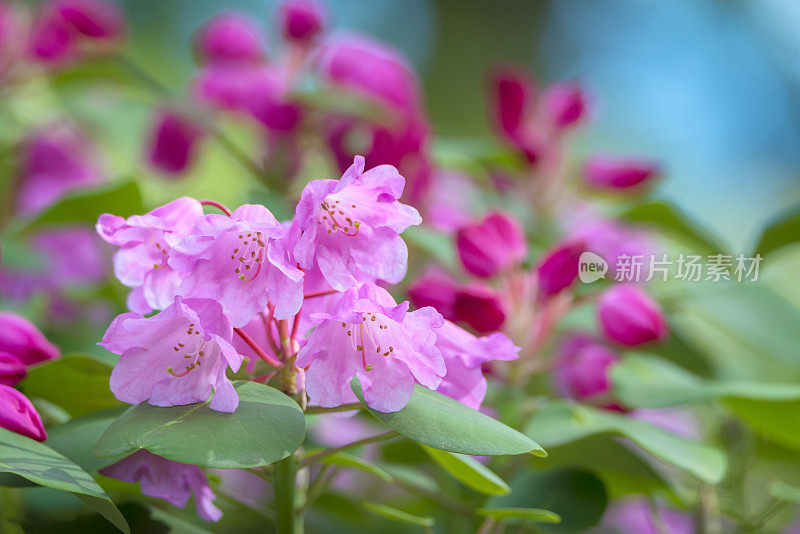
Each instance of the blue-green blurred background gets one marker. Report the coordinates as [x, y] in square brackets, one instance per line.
[710, 88]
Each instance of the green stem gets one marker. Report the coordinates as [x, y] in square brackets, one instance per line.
[285, 485]
[327, 452]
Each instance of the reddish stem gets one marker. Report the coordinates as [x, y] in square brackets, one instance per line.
[295, 325]
[253, 345]
[217, 205]
[319, 293]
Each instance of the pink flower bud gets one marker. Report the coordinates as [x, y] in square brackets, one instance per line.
[492, 245]
[630, 316]
[22, 339]
[481, 307]
[95, 19]
[12, 369]
[559, 268]
[514, 94]
[301, 20]
[618, 173]
[437, 289]
[52, 39]
[173, 143]
[565, 105]
[229, 37]
[18, 414]
[584, 373]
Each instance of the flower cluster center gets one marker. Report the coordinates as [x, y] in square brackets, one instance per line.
[248, 255]
[366, 337]
[333, 213]
[192, 347]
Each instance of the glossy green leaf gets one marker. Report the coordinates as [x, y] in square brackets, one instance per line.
[266, 427]
[469, 471]
[440, 422]
[343, 459]
[77, 384]
[42, 465]
[562, 422]
[394, 514]
[530, 515]
[577, 496]
[647, 382]
[84, 206]
[782, 231]
[669, 219]
[75, 439]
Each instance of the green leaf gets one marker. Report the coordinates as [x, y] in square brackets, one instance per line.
[784, 492]
[397, 515]
[75, 439]
[530, 515]
[440, 422]
[42, 465]
[672, 221]
[647, 382]
[575, 495]
[782, 231]
[84, 206]
[266, 427]
[343, 459]
[434, 244]
[77, 384]
[776, 420]
[469, 471]
[562, 422]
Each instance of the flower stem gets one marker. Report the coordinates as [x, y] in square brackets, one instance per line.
[217, 205]
[285, 484]
[258, 350]
[327, 452]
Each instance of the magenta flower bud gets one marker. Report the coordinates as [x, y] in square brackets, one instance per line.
[437, 289]
[481, 307]
[12, 369]
[611, 172]
[559, 268]
[301, 20]
[492, 245]
[565, 105]
[52, 39]
[95, 19]
[630, 316]
[21, 338]
[229, 37]
[513, 93]
[584, 372]
[17, 414]
[173, 142]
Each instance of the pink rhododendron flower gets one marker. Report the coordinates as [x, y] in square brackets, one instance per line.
[514, 96]
[72, 255]
[636, 515]
[558, 269]
[611, 172]
[492, 245]
[95, 19]
[351, 228]
[435, 288]
[145, 242]
[12, 369]
[52, 38]
[301, 20]
[18, 414]
[445, 211]
[174, 482]
[464, 354]
[240, 261]
[480, 306]
[565, 104]
[20, 338]
[229, 37]
[585, 366]
[175, 357]
[630, 316]
[368, 335]
[173, 142]
[54, 161]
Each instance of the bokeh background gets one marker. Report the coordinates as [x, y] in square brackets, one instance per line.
[710, 88]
